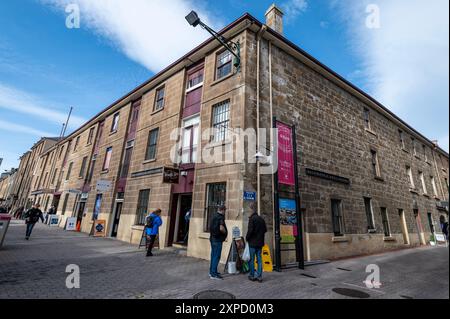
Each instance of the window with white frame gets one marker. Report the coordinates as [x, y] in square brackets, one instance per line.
[410, 176]
[221, 121]
[224, 64]
[422, 180]
[433, 184]
[385, 221]
[190, 140]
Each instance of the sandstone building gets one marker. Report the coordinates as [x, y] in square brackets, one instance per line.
[368, 182]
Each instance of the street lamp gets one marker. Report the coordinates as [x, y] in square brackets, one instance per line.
[234, 48]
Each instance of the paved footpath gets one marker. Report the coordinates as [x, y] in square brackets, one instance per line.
[114, 269]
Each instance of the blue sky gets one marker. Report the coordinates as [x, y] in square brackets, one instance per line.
[45, 67]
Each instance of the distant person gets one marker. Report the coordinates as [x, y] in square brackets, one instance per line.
[19, 212]
[187, 220]
[255, 239]
[51, 211]
[153, 222]
[218, 233]
[32, 216]
[444, 226]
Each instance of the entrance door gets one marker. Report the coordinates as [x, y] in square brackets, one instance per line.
[431, 223]
[182, 229]
[419, 227]
[118, 212]
[401, 214]
[80, 213]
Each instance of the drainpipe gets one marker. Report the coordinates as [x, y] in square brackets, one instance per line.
[258, 164]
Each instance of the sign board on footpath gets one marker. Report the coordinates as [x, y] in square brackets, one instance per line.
[54, 220]
[71, 224]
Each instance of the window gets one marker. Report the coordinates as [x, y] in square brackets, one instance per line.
[77, 141]
[425, 157]
[367, 119]
[126, 162]
[369, 213]
[410, 176]
[216, 197]
[422, 180]
[60, 152]
[66, 199]
[433, 184]
[107, 158]
[375, 164]
[69, 171]
[402, 139]
[83, 167]
[150, 154]
[45, 179]
[141, 212]
[90, 136]
[159, 98]
[385, 221]
[115, 123]
[337, 218]
[194, 80]
[221, 121]
[190, 140]
[413, 146]
[54, 176]
[223, 64]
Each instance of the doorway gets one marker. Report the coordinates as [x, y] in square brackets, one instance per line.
[419, 227]
[80, 212]
[179, 227]
[117, 213]
[404, 227]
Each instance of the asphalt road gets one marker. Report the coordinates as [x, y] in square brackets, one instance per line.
[114, 269]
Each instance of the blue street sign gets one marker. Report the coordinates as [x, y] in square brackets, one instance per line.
[250, 196]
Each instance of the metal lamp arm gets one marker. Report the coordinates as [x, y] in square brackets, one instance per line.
[222, 40]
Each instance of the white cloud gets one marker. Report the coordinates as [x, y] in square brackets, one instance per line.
[17, 128]
[16, 100]
[405, 62]
[152, 33]
[293, 8]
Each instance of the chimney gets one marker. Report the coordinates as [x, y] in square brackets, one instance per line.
[274, 18]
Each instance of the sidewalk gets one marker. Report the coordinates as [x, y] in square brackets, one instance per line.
[114, 269]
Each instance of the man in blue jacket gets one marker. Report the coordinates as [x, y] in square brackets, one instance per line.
[153, 221]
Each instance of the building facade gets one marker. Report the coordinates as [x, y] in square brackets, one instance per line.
[368, 182]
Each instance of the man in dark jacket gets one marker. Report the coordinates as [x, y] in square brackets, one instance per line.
[255, 239]
[32, 216]
[218, 233]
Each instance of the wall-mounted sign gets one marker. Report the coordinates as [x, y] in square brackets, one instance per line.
[100, 228]
[103, 186]
[74, 191]
[330, 177]
[171, 175]
[84, 196]
[71, 224]
[250, 196]
[286, 172]
[152, 171]
[288, 220]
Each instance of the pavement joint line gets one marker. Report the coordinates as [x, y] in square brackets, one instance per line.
[366, 288]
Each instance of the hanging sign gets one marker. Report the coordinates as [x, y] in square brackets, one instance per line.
[286, 172]
[171, 175]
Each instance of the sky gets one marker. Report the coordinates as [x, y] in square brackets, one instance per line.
[395, 50]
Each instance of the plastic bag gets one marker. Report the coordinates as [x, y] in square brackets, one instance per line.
[246, 253]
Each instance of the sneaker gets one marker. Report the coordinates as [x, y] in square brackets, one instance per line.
[219, 276]
[149, 254]
[251, 278]
[214, 277]
[259, 279]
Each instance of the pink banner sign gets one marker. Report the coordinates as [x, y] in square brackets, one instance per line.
[286, 174]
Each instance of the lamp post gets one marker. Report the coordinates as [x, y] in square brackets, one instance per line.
[234, 47]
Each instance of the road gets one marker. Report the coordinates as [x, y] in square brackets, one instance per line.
[114, 269]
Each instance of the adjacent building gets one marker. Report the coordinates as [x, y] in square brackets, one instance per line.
[368, 182]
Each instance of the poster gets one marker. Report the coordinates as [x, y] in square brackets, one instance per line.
[71, 224]
[54, 220]
[100, 228]
[98, 204]
[286, 172]
[288, 220]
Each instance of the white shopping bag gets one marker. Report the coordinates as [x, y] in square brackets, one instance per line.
[246, 253]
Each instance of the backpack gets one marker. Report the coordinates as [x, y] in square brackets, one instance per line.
[149, 222]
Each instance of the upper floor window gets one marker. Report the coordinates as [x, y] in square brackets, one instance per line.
[367, 119]
[69, 171]
[410, 176]
[375, 164]
[433, 185]
[369, 213]
[424, 149]
[83, 167]
[107, 160]
[413, 146]
[221, 121]
[194, 80]
[115, 123]
[422, 180]
[223, 64]
[401, 137]
[152, 142]
[77, 141]
[90, 136]
[159, 98]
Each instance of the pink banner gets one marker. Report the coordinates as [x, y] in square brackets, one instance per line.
[286, 174]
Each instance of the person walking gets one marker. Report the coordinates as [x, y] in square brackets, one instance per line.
[51, 211]
[32, 216]
[255, 238]
[444, 226]
[218, 233]
[187, 220]
[153, 221]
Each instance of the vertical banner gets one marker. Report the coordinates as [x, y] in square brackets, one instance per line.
[286, 174]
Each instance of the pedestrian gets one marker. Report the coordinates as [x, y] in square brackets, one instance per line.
[153, 222]
[19, 212]
[255, 239]
[218, 233]
[32, 216]
[187, 220]
[444, 226]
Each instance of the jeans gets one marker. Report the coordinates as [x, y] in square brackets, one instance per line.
[255, 252]
[216, 252]
[150, 241]
[29, 229]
